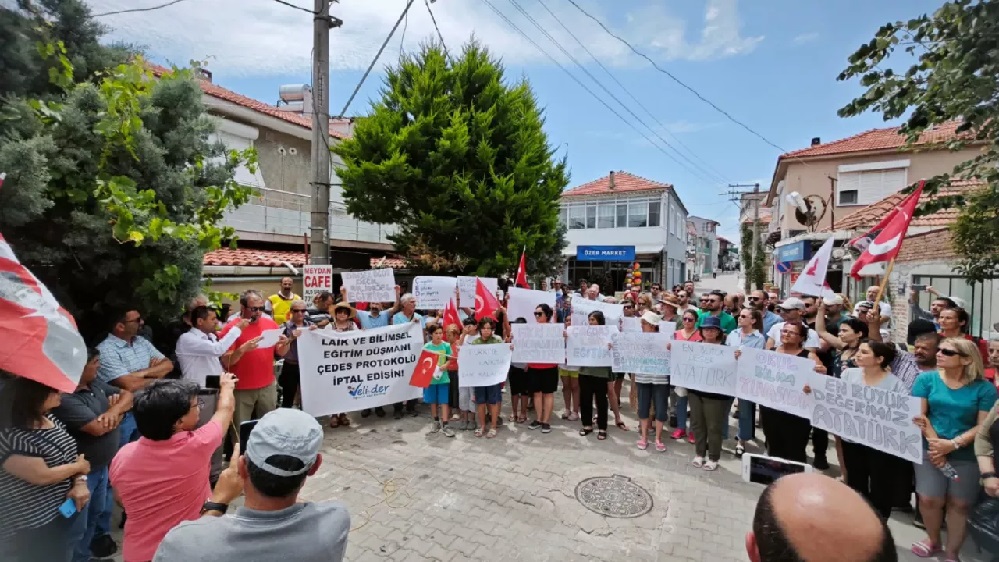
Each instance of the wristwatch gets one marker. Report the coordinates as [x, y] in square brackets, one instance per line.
[987, 475]
[80, 478]
[212, 506]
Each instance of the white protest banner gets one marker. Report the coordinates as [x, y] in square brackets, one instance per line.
[523, 302]
[581, 307]
[373, 285]
[538, 343]
[631, 324]
[316, 279]
[466, 289]
[707, 367]
[589, 346]
[432, 293]
[869, 416]
[776, 380]
[350, 371]
[483, 365]
[667, 327]
[641, 352]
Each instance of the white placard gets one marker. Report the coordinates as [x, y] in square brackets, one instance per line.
[631, 324]
[484, 364]
[466, 289]
[523, 302]
[867, 415]
[269, 338]
[373, 285]
[667, 327]
[350, 371]
[589, 346]
[538, 343]
[641, 352]
[581, 307]
[776, 380]
[315, 280]
[432, 293]
[708, 367]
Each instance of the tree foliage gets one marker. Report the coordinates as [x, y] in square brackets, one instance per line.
[953, 78]
[458, 159]
[114, 189]
[755, 271]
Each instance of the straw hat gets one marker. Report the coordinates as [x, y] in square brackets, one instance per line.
[345, 306]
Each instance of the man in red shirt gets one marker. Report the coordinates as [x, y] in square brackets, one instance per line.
[256, 389]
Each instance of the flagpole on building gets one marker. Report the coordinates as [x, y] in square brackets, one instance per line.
[884, 281]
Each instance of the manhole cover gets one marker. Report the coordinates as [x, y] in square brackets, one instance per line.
[614, 496]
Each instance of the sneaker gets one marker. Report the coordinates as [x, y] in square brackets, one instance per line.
[103, 547]
[448, 430]
[678, 435]
[534, 425]
[411, 410]
[690, 437]
[435, 426]
[546, 428]
[397, 413]
[380, 412]
[821, 463]
[366, 413]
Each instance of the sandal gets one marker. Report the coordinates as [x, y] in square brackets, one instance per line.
[565, 416]
[925, 548]
[739, 449]
[574, 417]
[344, 420]
[642, 444]
[660, 446]
[491, 434]
[698, 462]
[710, 465]
[601, 435]
[620, 425]
[478, 432]
[585, 431]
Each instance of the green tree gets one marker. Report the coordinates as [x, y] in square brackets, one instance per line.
[459, 160]
[114, 190]
[953, 78]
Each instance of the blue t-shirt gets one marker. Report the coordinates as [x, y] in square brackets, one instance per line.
[369, 322]
[952, 412]
[400, 318]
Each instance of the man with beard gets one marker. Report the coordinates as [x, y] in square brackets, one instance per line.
[759, 300]
[713, 307]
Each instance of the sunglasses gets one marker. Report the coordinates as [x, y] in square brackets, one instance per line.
[689, 320]
[950, 352]
[753, 298]
[298, 310]
[539, 313]
[746, 316]
[255, 308]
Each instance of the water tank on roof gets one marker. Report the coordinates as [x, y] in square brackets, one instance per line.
[294, 92]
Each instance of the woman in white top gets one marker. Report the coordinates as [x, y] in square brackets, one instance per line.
[748, 335]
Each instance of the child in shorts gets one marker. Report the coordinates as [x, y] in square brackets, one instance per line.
[438, 394]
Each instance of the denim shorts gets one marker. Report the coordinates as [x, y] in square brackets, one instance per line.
[489, 394]
[437, 393]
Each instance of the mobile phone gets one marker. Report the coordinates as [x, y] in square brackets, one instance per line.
[68, 508]
[245, 429]
[762, 469]
[919, 287]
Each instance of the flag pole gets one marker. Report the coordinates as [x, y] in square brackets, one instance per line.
[884, 281]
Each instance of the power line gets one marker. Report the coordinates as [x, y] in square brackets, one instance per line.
[290, 5]
[707, 166]
[609, 93]
[439, 34]
[402, 39]
[375, 60]
[131, 10]
[677, 80]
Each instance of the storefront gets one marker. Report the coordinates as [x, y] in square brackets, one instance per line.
[608, 265]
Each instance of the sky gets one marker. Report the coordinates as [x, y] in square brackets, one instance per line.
[769, 64]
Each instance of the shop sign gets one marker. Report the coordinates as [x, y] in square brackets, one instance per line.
[605, 253]
[799, 251]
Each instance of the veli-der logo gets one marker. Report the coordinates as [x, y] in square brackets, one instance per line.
[367, 391]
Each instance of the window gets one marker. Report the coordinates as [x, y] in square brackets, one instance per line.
[591, 216]
[637, 215]
[605, 215]
[654, 209]
[577, 217]
[865, 184]
[563, 216]
[622, 215]
[848, 197]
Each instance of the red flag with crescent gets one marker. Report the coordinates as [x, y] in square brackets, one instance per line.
[426, 365]
[883, 242]
[451, 316]
[486, 304]
[40, 339]
[521, 279]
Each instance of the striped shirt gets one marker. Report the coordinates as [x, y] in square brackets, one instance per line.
[24, 505]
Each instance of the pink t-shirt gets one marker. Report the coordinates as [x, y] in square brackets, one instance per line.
[162, 483]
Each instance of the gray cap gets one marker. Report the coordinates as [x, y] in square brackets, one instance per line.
[287, 432]
[792, 303]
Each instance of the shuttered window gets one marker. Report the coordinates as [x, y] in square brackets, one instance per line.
[866, 187]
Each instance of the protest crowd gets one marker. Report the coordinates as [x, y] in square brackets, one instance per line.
[174, 436]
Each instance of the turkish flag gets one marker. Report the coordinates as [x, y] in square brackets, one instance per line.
[40, 339]
[451, 314]
[521, 279]
[486, 304]
[426, 366]
[882, 243]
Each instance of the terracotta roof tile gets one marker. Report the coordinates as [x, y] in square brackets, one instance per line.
[764, 219]
[216, 91]
[935, 245]
[623, 183]
[875, 139]
[247, 257]
[870, 215]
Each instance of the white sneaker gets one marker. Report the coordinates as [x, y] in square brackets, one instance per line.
[448, 430]
[435, 426]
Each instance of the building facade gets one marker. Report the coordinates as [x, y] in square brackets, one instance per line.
[622, 219]
[706, 245]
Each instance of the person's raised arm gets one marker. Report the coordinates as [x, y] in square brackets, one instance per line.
[226, 405]
[820, 327]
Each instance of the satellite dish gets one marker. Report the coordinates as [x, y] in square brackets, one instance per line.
[815, 209]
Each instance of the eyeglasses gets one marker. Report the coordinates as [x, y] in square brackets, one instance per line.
[950, 352]
[137, 320]
[298, 310]
[200, 403]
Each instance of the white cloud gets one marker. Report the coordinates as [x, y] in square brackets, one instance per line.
[806, 38]
[263, 37]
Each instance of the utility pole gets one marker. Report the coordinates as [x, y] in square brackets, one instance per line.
[737, 195]
[319, 246]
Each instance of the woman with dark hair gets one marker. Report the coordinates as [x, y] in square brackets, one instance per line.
[844, 344]
[688, 332]
[487, 397]
[593, 385]
[651, 389]
[543, 380]
[41, 469]
[955, 323]
[708, 410]
[749, 334]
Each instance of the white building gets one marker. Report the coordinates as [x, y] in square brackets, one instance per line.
[619, 220]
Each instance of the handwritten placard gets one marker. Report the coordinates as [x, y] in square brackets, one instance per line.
[538, 343]
[631, 324]
[483, 365]
[667, 327]
[581, 307]
[466, 289]
[523, 302]
[373, 285]
[589, 346]
[868, 415]
[433, 293]
[776, 380]
[641, 352]
[706, 367]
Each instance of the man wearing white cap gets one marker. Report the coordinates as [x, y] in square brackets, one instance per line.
[281, 452]
[791, 310]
